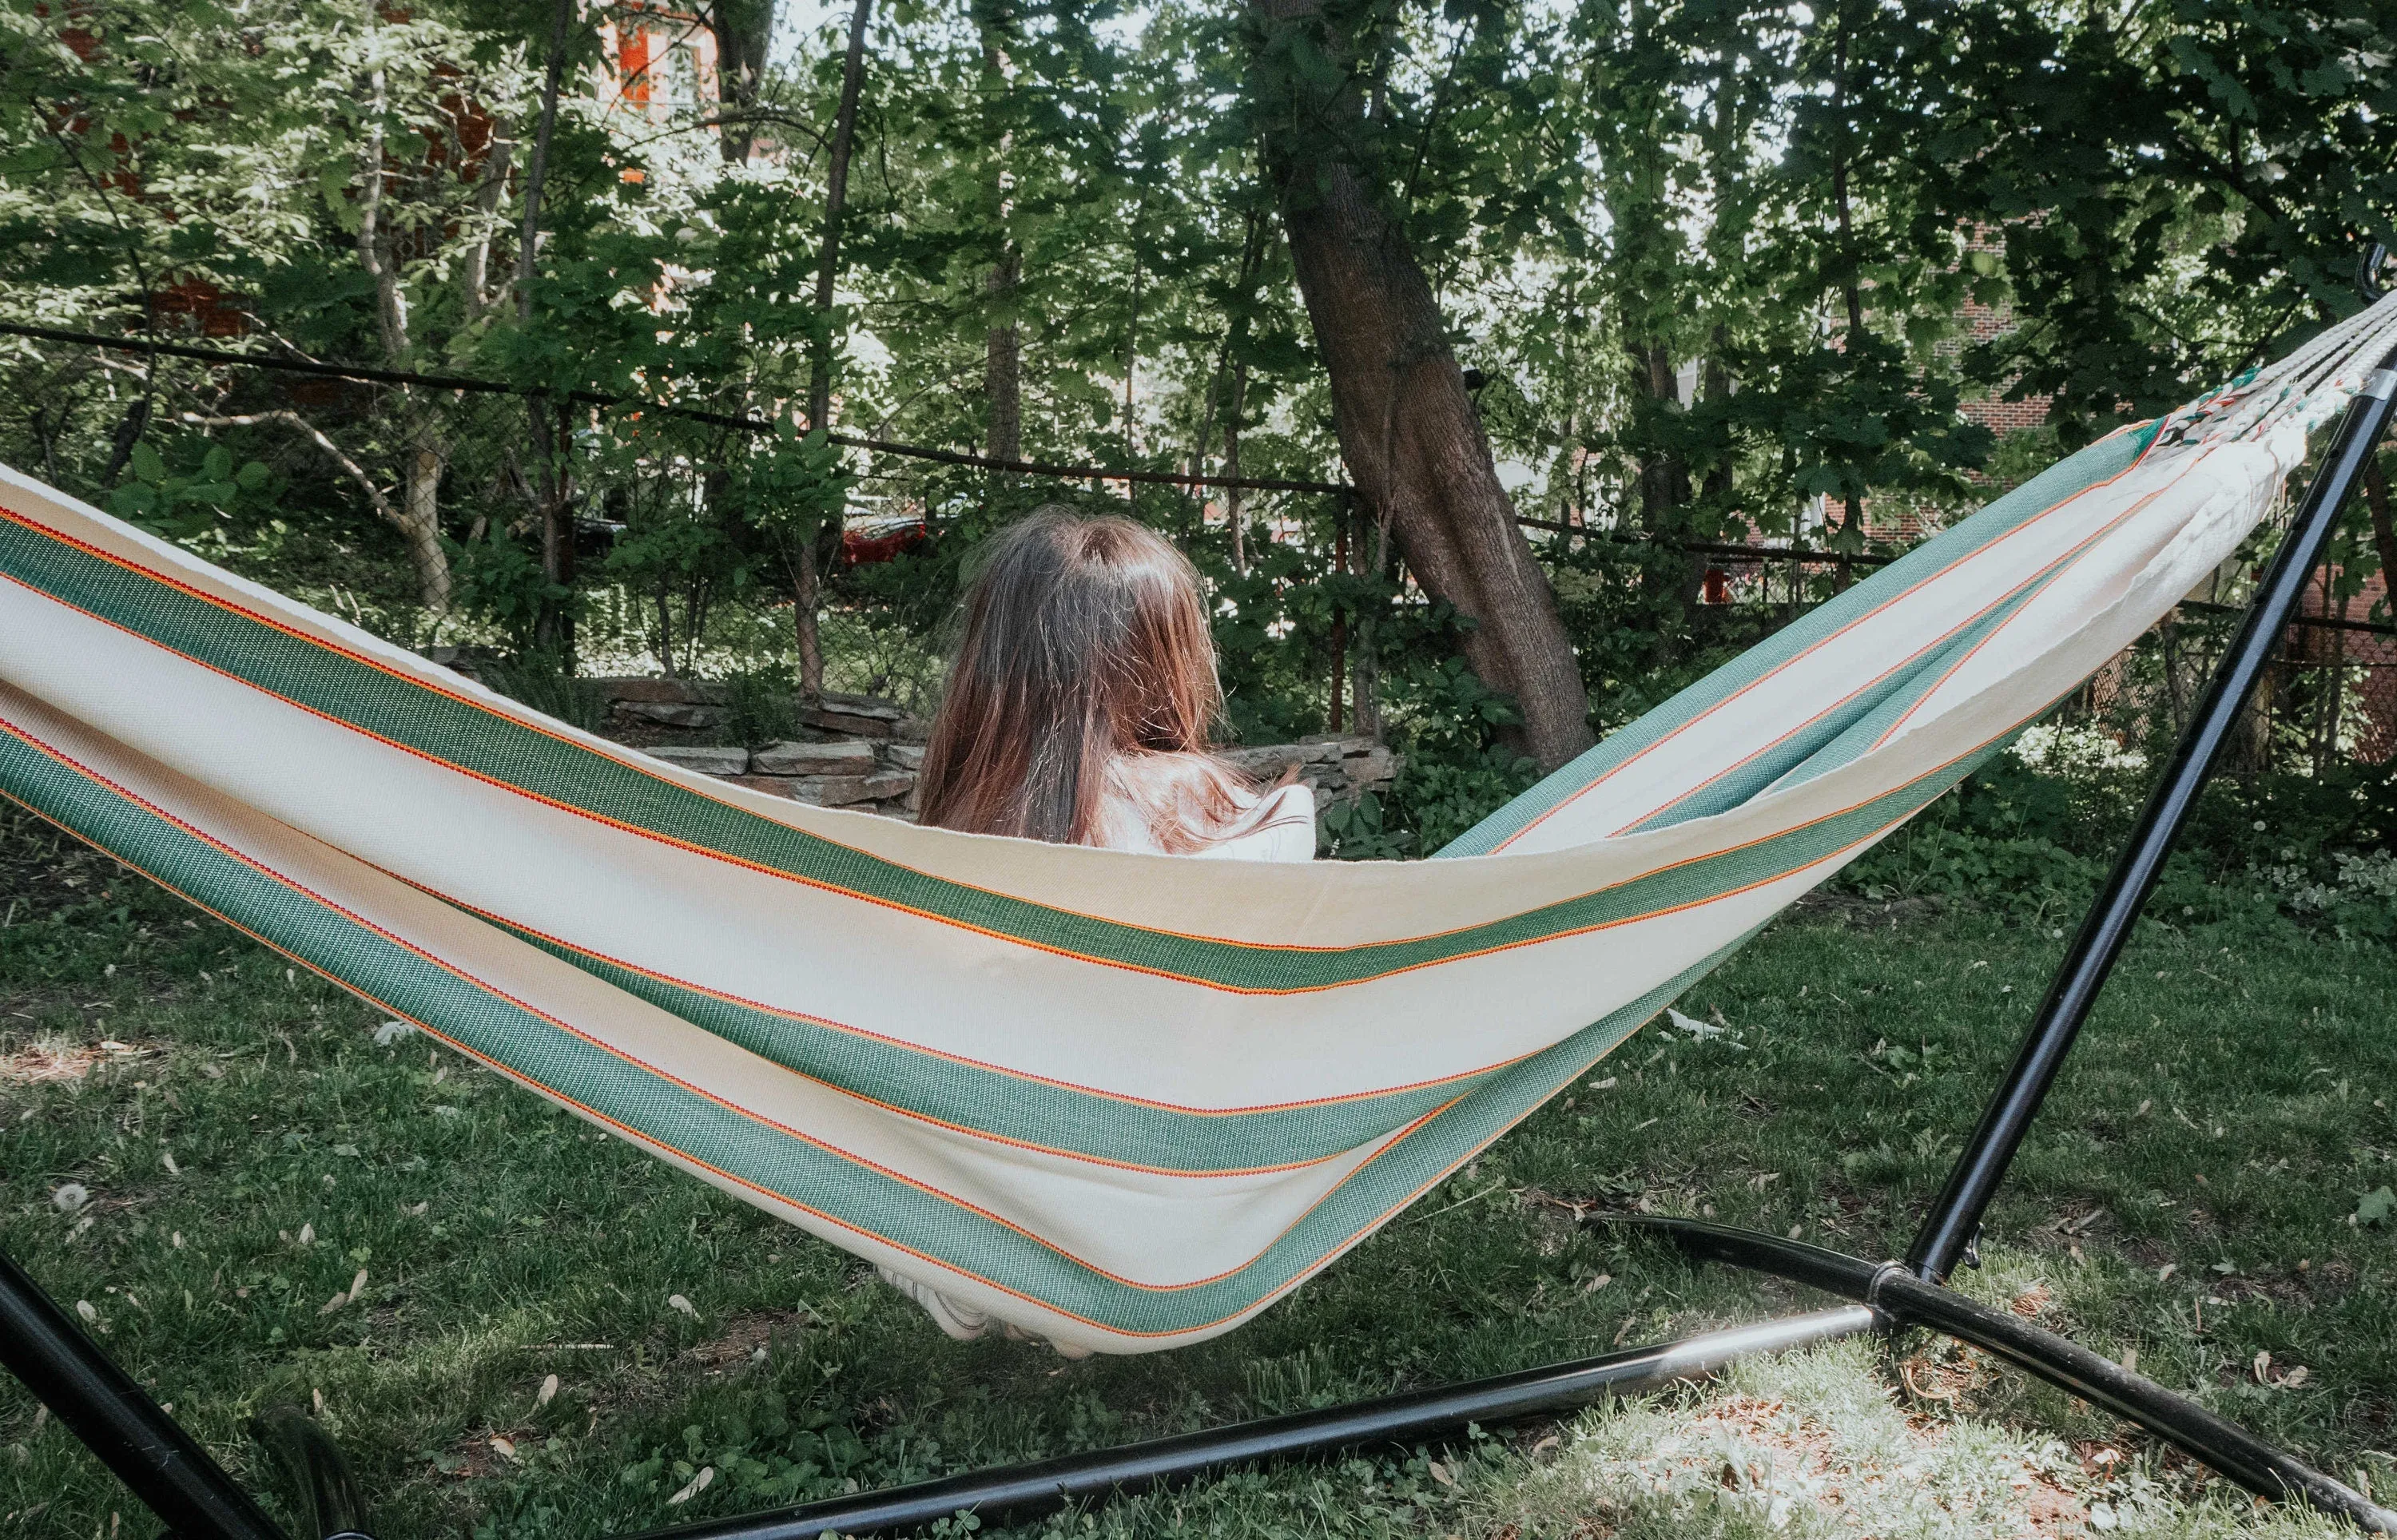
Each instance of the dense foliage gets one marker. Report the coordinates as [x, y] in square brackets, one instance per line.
[1717, 268]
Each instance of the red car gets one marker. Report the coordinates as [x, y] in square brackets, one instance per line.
[878, 538]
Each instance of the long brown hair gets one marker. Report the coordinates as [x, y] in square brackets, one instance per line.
[1080, 642]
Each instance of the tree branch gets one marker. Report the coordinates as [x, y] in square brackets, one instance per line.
[389, 514]
[2230, 176]
[391, 305]
[536, 171]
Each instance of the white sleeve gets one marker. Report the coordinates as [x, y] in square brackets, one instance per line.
[1280, 828]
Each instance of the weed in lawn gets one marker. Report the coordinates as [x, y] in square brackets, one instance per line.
[512, 1364]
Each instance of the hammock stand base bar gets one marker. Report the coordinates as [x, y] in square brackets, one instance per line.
[154, 1458]
[150, 1454]
[1900, 1299]
[1416, 1417]
[168, 1471]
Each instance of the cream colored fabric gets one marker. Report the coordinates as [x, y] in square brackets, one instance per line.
[1121, 1100]
[1274, 825]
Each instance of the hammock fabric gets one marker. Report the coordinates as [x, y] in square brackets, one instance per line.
[1122, 1101]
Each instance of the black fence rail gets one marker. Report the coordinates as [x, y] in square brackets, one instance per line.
[648, 466]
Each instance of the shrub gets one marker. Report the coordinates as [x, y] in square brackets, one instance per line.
[2034, 842]
[1353, 831]
[542, 681]
[759, 706]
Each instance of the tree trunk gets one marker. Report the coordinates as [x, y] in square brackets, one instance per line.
[554, 620]
[420, 521]
[1852, 523]
[1235, 340]
[806, 584]
[1339, 621]
[419, 516]
[1002, 345]
[1366, 681]
[536, 169]
[742, 28]
[1414, 443]
[553, 631]
[1232, 466]
[1668, 505]
[1664, 480]
[1132, 364]
[474, 269]
[2251, 743]
[1715, 381]
[807, 580]
[1715, 491]
[1003, 364]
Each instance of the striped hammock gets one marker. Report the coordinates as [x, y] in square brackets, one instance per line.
[1120, 1101]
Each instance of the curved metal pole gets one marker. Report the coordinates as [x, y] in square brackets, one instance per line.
[117, 1421]
[2229, 1448]
[1948, 1231]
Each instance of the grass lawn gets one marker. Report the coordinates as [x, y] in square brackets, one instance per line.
[554, 1335]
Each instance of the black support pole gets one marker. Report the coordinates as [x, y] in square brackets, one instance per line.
[1016, 1492]
[118, 1421]
[1948, 1232]
[1905, 1300]
[2253, 1463]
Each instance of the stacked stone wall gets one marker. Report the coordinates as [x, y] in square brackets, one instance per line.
[861, 752]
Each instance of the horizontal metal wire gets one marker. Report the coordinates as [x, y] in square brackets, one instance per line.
[369, 375]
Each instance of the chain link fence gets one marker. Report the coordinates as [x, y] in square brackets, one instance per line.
[414, 505]
[2330, 695]
[419, 506]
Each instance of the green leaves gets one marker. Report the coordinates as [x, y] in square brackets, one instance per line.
[792, 481]
[1351, 830]
[181, 505]
[147, 465]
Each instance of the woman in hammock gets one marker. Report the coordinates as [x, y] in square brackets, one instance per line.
[1080, 695]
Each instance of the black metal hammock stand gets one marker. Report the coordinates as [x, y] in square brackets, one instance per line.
[197, 1500]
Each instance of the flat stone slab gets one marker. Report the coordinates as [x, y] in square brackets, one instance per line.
[1372, 761]
[707, 761]
[1264, 761]
[774, 786]
[833, 719]
[672, 713]
[863, 706]
[848, 791]
[1337, 767]
[660, 691]
[849, 758]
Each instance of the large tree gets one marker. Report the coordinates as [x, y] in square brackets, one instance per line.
[1408, 432]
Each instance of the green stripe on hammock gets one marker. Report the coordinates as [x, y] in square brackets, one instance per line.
[2059, 482]
[841, 1189]
[499, 748]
